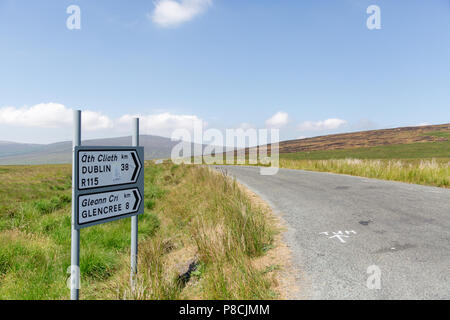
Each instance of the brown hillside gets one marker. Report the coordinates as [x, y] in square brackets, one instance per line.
[363, 139]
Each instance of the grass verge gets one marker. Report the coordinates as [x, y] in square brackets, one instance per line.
[434, 172]
[200, 238]
[426, 163]
[211, 235]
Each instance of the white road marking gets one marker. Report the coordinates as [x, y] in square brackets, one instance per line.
[339, 235]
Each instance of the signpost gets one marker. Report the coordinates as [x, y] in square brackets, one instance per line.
[107, 167]
[107, 185]
[107, 172]
[102, 207]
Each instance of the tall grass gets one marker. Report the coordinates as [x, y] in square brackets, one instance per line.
[228, 234]
[433, 172]
[230, 224]
[192, 215]
[156, 280]
[211, 224]
[35, 224]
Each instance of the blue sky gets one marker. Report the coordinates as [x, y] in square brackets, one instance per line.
[231, 63]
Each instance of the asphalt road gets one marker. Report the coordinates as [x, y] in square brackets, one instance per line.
[339, 226]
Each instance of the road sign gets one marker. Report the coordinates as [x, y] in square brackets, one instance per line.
[107, 206]
[107, 179]
[107, 185]
[107, 167]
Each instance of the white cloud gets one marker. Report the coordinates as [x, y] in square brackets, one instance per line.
[278, 120]
[163, 124]
[51, 115]
[44, 115]
[92, 120]
[423, 124]
[328, 124]
[58, 116]
[171, 13]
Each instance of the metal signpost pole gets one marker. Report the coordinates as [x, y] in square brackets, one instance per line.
[107, 185]
[134, 219]
[75, 256]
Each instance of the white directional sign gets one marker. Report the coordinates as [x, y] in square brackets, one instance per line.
[107, 168]
[109, 184]
[107, 205]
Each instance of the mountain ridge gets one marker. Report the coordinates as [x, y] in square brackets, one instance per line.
[157, 147]
[12, 153]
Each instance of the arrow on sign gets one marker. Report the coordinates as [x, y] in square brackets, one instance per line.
[107, 167]
[138, 199]
[137, 166]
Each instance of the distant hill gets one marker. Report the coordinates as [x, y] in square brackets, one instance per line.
[355, 144]
[161, 148]
[10, 148]
[365, 139]
[16, 153]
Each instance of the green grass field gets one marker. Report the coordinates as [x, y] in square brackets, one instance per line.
[189, 212]
[35, 222]
[425, 163]
[440, 134]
